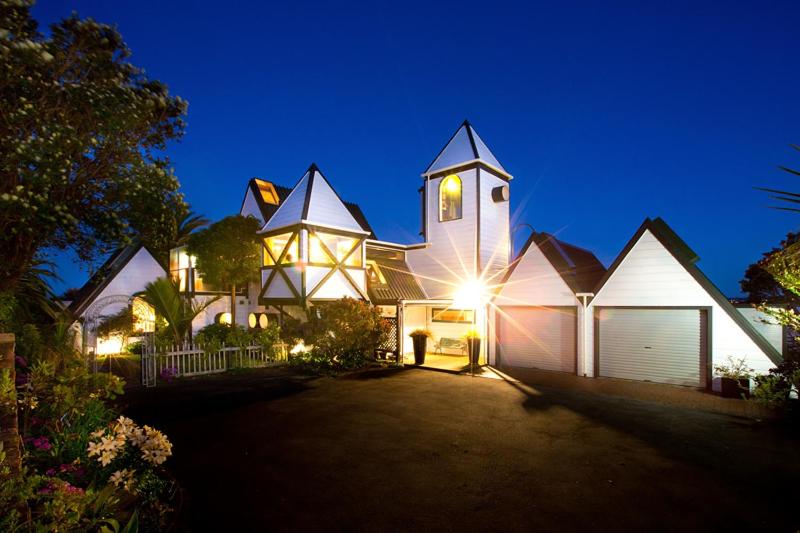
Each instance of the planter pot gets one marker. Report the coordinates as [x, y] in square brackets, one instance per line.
[474, 351]
[732, 388]
[420, 347]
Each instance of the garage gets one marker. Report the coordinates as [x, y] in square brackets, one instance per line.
[661, 345]
[538, 337]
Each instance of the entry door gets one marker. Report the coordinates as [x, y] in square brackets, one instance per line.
[538, 337]
[660, 345]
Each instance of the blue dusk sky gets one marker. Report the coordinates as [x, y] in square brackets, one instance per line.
[604, 112]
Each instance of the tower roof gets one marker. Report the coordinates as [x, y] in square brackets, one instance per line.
[464, 146]
[313, 201]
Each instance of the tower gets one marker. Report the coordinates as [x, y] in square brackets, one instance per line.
[465, 214]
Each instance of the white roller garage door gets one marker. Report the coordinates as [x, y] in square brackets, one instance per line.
[538, 337]
[660, 345]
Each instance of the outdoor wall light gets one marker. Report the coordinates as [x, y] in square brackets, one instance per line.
[470, 295]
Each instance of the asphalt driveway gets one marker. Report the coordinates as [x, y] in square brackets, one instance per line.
[420, 450]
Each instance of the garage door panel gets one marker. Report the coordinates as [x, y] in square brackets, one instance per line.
[660, 345]
[537, 337]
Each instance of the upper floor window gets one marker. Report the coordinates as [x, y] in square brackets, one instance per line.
[450, 198]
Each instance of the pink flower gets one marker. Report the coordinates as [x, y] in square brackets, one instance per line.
[42, 443]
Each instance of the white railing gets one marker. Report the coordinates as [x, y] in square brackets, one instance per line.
[167, 363]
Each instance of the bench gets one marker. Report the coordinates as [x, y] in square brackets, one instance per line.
[446, 343]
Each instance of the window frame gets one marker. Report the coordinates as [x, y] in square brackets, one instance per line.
[470, 313]
[460, 197]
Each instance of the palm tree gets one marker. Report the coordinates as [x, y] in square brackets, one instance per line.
[177, 309]
[188, 224]
[792, 198]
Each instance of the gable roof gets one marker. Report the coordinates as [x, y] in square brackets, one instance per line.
[105, 275]
[314, 201]
[255, 187]
[262, 190]
[400, 284]
[464, 146]
[578, 267]
[687, 258]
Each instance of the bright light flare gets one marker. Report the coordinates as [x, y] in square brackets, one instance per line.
[471, 295]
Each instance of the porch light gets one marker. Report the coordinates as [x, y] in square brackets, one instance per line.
[470, 295]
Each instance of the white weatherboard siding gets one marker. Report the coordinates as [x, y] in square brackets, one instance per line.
[451, 254]
[494, 241]
[295, 276]
[414, 317]
[359, 275]
[137, 273]
[766, 325]
[660, 345]
[649, 276]
[535, 281]
[536, 337]
[278, 288]
[250, 206]
[335, 287]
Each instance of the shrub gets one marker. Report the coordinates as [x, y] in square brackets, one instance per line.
[774, 389]
[135, 347]
[76, 452]
[346, 332]
[734, 369]
[215, 335]
[313, 362]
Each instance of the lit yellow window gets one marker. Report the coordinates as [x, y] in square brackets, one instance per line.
[276, 245]
[340, 246]
[316, 254]
[450, 198]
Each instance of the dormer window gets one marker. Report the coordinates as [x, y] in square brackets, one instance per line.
[450, 198]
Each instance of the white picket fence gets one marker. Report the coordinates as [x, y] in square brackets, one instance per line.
[193, 360]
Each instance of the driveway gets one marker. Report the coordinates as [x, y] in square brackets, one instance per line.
[420, 450]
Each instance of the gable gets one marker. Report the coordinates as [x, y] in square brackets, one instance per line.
[464, 146]
[657, 268]
[314, 201]
[326, 208]
[534, 281]
[128, 274]
[290, 211]
[250, 206]
[650, 275]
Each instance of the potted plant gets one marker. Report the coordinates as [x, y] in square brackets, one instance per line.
[733, 379]
[420, 339]
[473, 338]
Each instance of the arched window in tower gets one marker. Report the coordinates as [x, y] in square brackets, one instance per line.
[450, 198]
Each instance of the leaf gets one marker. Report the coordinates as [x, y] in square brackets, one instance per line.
[133, 524]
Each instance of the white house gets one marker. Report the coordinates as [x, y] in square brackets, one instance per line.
[651, 316]
[110, 289]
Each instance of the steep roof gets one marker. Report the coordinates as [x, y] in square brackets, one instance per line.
[314, 201]
[400, 284]
[578, 267]
[687, 258]
[103, 276]
[464, 146]
[256, 188]
[267, 195]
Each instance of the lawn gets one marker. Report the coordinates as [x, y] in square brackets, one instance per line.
[415, 449]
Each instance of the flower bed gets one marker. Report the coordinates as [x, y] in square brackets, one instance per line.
[85, 467]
